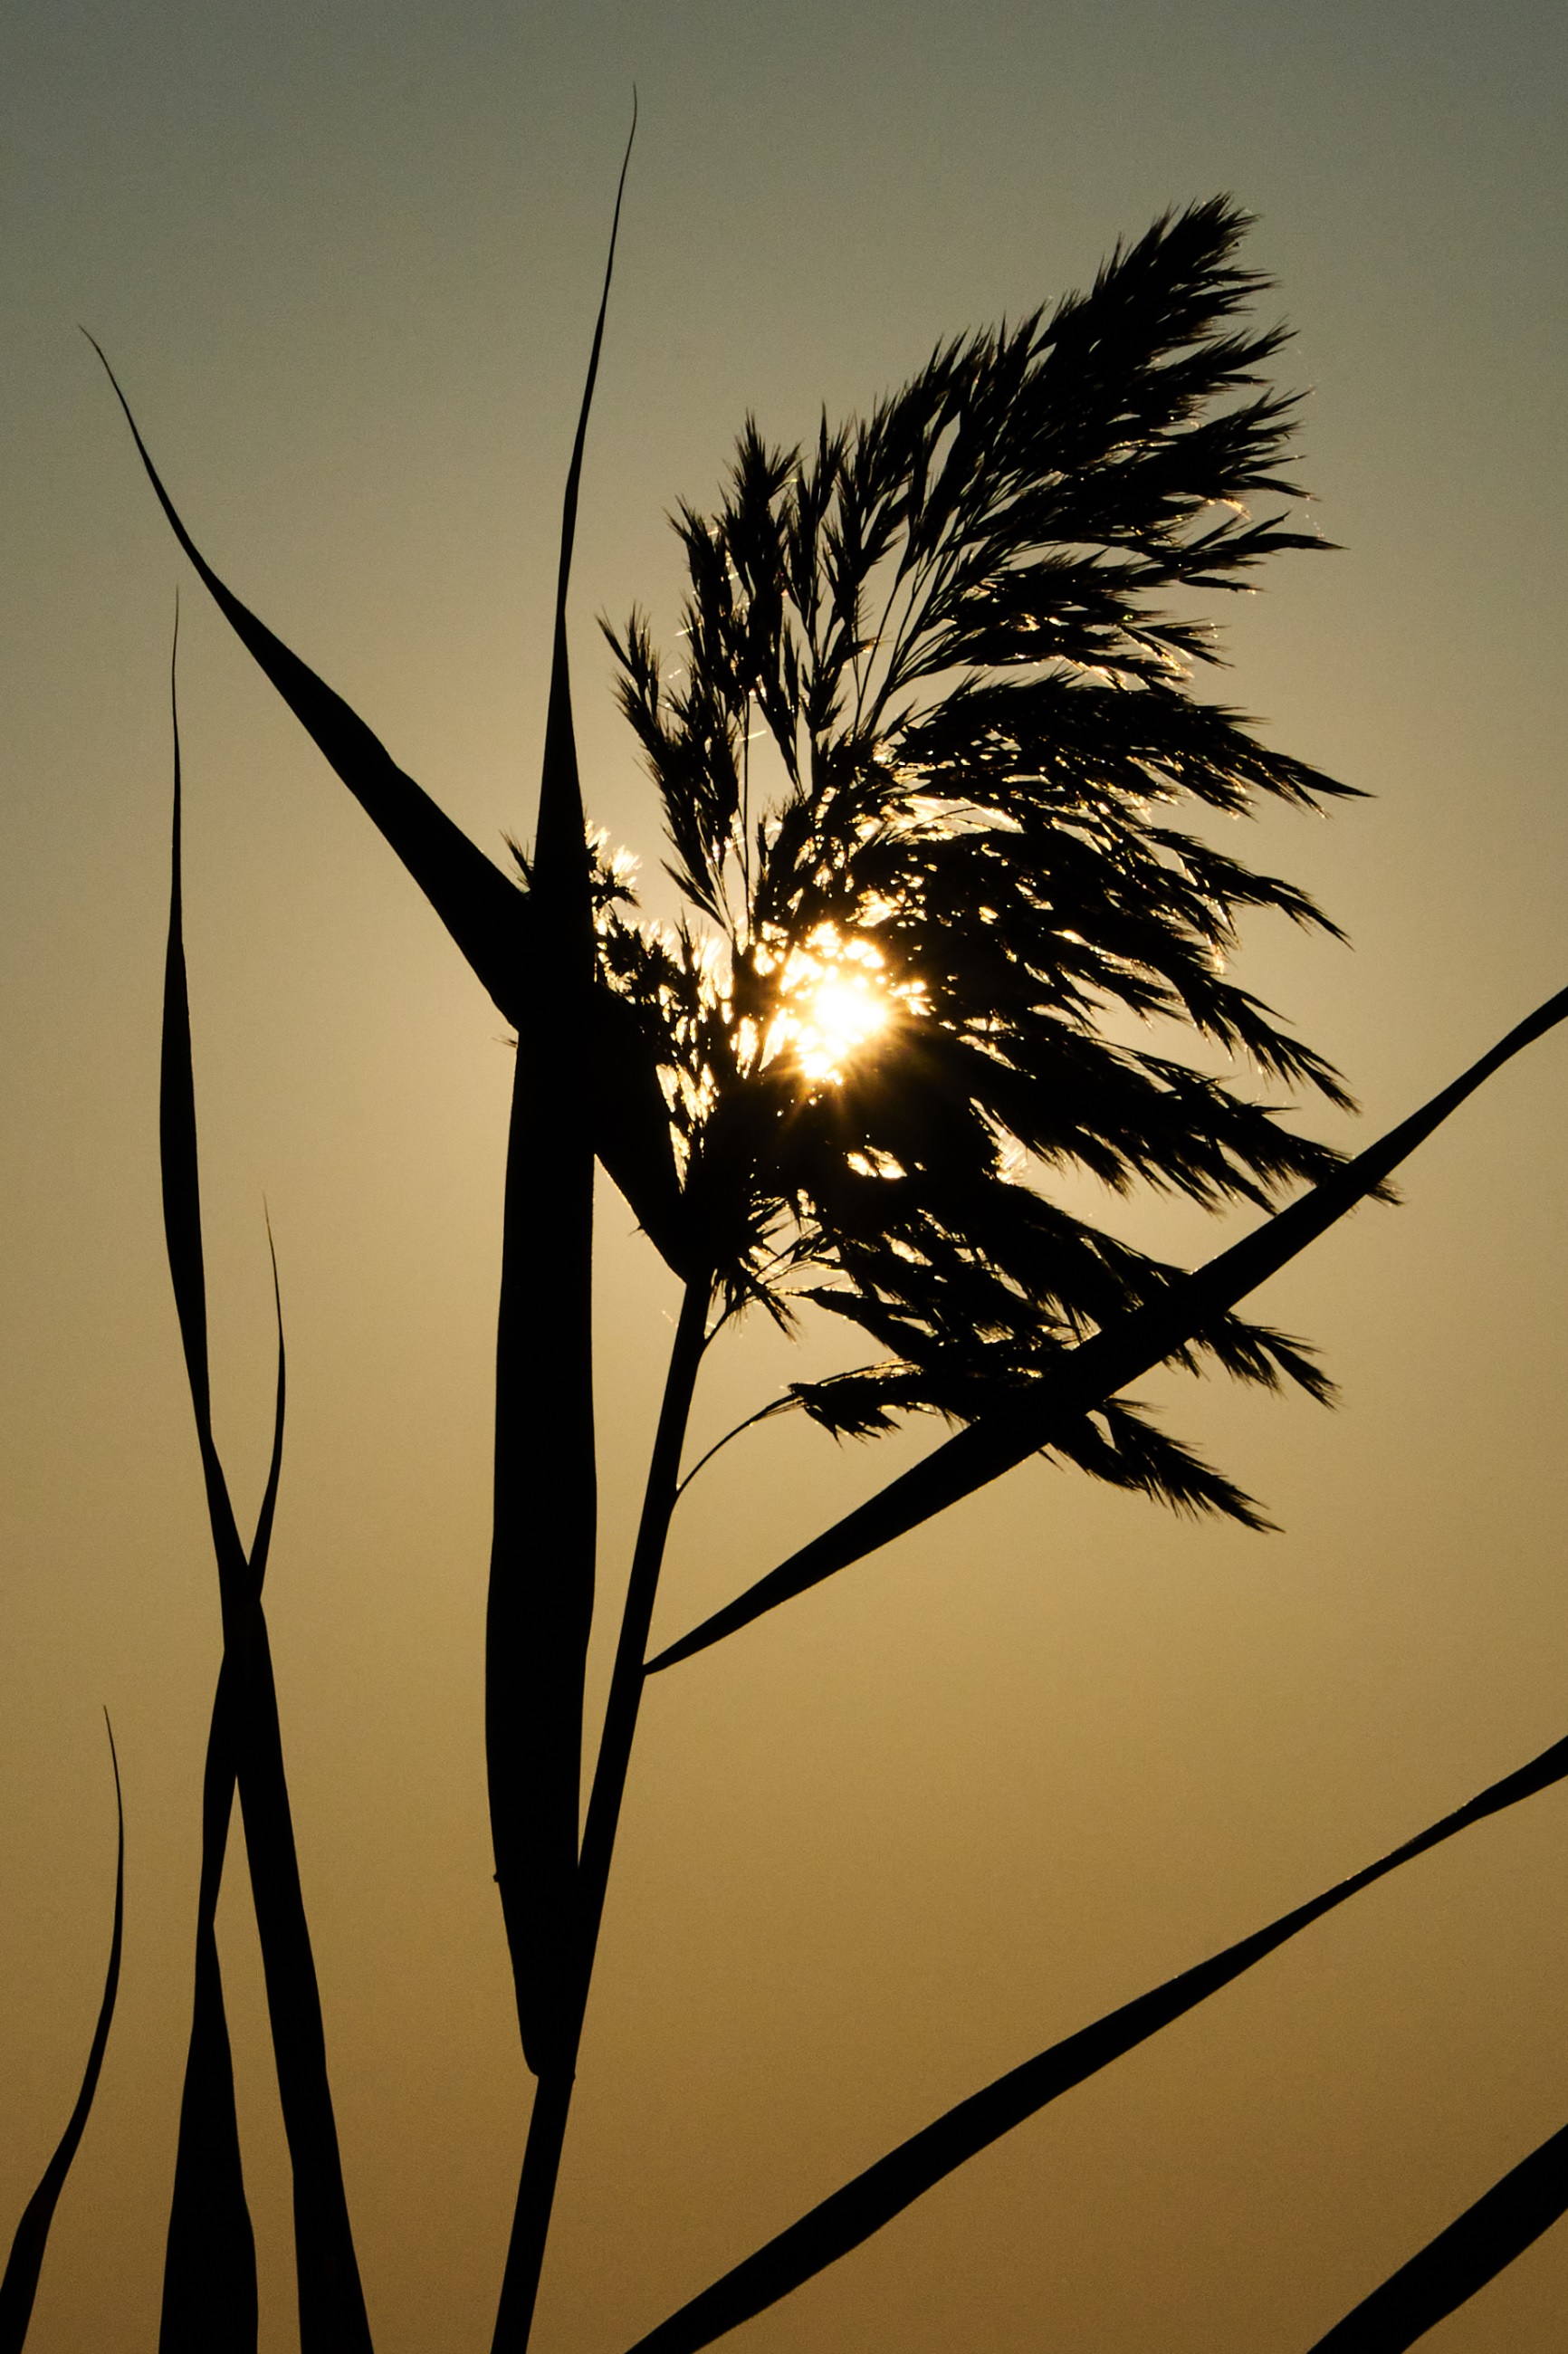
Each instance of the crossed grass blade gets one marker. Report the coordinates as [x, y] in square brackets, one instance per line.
[19, 2285]
[1477, 2247]
[481, 908]
[1096, 1371]
[851, 2214]
[209, 2270]
[201, 2294]
[209, 2295]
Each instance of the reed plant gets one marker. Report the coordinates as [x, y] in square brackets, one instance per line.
[934, 777]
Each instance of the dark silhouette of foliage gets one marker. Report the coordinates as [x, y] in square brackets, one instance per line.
[1098, 1368]
[940, 792]
[948, 624]
[210, 2283]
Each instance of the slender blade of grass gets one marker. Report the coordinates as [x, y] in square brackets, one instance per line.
[1100, 1367]
[552, 2105]
[19, 2285]
[474, 900]
[1477, 2247]
[209, 2266]
[540, 1606]
[209, 2296]
[851, 2214]
[331, 2306]
[484, 913]
[332, 2319]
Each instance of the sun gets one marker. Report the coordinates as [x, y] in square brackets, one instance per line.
[834, 997]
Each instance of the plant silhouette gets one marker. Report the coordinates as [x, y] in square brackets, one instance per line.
[934, 777]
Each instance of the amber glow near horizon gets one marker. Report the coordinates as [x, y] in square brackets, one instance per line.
[1055, 1748]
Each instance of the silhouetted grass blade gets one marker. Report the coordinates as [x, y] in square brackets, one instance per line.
[474, 900]
[540, 1606]
[245, 1746]
[483, 912]
[1481, 2243]
[548, 2124]
[19, 2285]
[209, 2296]
[1096, 1371]
[209, 2269]
[851, 2214]
[331, 2304]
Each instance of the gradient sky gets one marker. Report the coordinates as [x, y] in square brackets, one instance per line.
[904, 1834]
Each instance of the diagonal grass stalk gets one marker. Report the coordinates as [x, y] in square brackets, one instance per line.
[480, 907]
[1477, 2247]
[851, 2215]
[552, 2103]
[1095, 1372]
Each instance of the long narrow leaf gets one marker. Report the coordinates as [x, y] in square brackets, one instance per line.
[862, 2207]
[21, 2285]
[332, 2304]
[483, 912]
[209, 2260]
[1481, 2243]
[332, 2319]
[540, 1608]
[474, 900]
[209, 2267]
[1096, 1370]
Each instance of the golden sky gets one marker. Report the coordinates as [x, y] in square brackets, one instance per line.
[903, 1834]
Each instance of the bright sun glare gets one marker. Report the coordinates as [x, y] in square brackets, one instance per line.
[834, 998]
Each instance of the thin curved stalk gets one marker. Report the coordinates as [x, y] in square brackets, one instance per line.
[630, 1673]
[763, 1414]
[21, 2285]
[552, 2101]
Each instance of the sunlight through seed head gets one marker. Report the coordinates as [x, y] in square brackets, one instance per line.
[835, 998]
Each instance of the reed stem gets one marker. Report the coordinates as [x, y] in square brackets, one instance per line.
[552, 2099]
